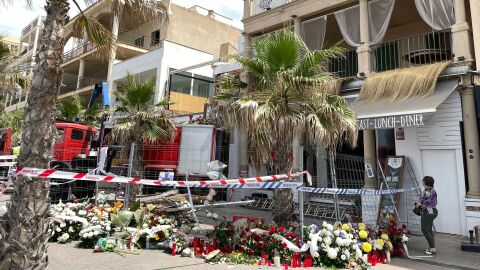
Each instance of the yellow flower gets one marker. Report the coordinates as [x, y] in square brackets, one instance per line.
[366, 247]
[379, 244]
[384, 236]
[362, 227]
[390, 246]
[363, 234]
[345, 227]
[157, 237]
[118, 204]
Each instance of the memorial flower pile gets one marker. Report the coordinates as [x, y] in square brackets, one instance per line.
[67, 222]
[335, 246]
[330, 246]
[397, 235]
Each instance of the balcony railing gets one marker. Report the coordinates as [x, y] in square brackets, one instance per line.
[413, 51]
[84, 81]
[260, 6]
[77, 51]
[129, 38]
[37, 22]
[346, 66]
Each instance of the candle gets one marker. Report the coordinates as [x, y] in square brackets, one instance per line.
[276, 260]
[174, 249]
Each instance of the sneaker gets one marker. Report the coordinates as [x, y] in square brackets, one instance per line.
[430, 252]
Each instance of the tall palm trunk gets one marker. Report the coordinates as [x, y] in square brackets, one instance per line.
[283, 197]
[24, 233]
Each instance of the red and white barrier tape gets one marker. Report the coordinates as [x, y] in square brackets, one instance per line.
[55, 174]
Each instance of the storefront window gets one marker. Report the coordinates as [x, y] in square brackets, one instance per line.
[385, 144]
[202, 86]
[192, 84]
[181, 82]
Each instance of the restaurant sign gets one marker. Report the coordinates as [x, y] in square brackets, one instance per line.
[398, 121]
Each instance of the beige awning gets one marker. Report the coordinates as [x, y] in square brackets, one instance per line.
[409, 112]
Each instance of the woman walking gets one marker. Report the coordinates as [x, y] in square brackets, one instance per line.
[428, 205]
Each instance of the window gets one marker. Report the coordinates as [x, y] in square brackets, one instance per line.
[140, 42]
[155, 38]
[77, 135]
[181, 82]
[202, 86]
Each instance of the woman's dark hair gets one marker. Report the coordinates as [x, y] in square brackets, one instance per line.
[429, 181]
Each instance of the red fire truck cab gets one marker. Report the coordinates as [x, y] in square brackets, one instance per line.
[72, 145]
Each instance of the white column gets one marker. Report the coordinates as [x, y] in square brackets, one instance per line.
[370, 154]
[113, 53]
[297, 25]
[247, 9]
[81, 71]
[34, 48]
[365, 65]
[243, 167]
[364, 52]
[111, 60]
[364, 33]
[475, 15]
[472, 150]
[243, 138]
[461, 45]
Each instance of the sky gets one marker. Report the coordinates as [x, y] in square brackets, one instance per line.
[14, 17]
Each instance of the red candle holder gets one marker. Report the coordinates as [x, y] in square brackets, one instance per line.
[308, 262]
[374, 259]
[174, 249]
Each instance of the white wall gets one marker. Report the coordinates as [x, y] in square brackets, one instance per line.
[159, 61]
[442, 133]
[178, 57]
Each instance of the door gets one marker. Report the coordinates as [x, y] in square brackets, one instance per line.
[441, 165]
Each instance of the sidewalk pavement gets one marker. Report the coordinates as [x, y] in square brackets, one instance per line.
[449, 255]
[69, 257]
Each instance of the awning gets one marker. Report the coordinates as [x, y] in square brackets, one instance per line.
[410, 112]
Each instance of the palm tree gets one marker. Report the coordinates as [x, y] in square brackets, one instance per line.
[23, 235]
[287, 97]
[74, 110]
[139, 121]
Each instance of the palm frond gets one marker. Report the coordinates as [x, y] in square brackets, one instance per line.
[290, 92]
[141, 122]
[97, 34]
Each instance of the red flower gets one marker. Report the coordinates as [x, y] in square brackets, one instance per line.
[255, 233]
[284, 245]
[281, 229]
[229, 229]
[404, 226]
[247, 229]
[251, 253]
[264, 234]
[248, 237]
[272, 230]
[242, 234]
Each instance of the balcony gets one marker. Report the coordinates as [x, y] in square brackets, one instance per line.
[413, 51]
[37, 22]
[260, 6]
[127, 41]
[70, 87]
